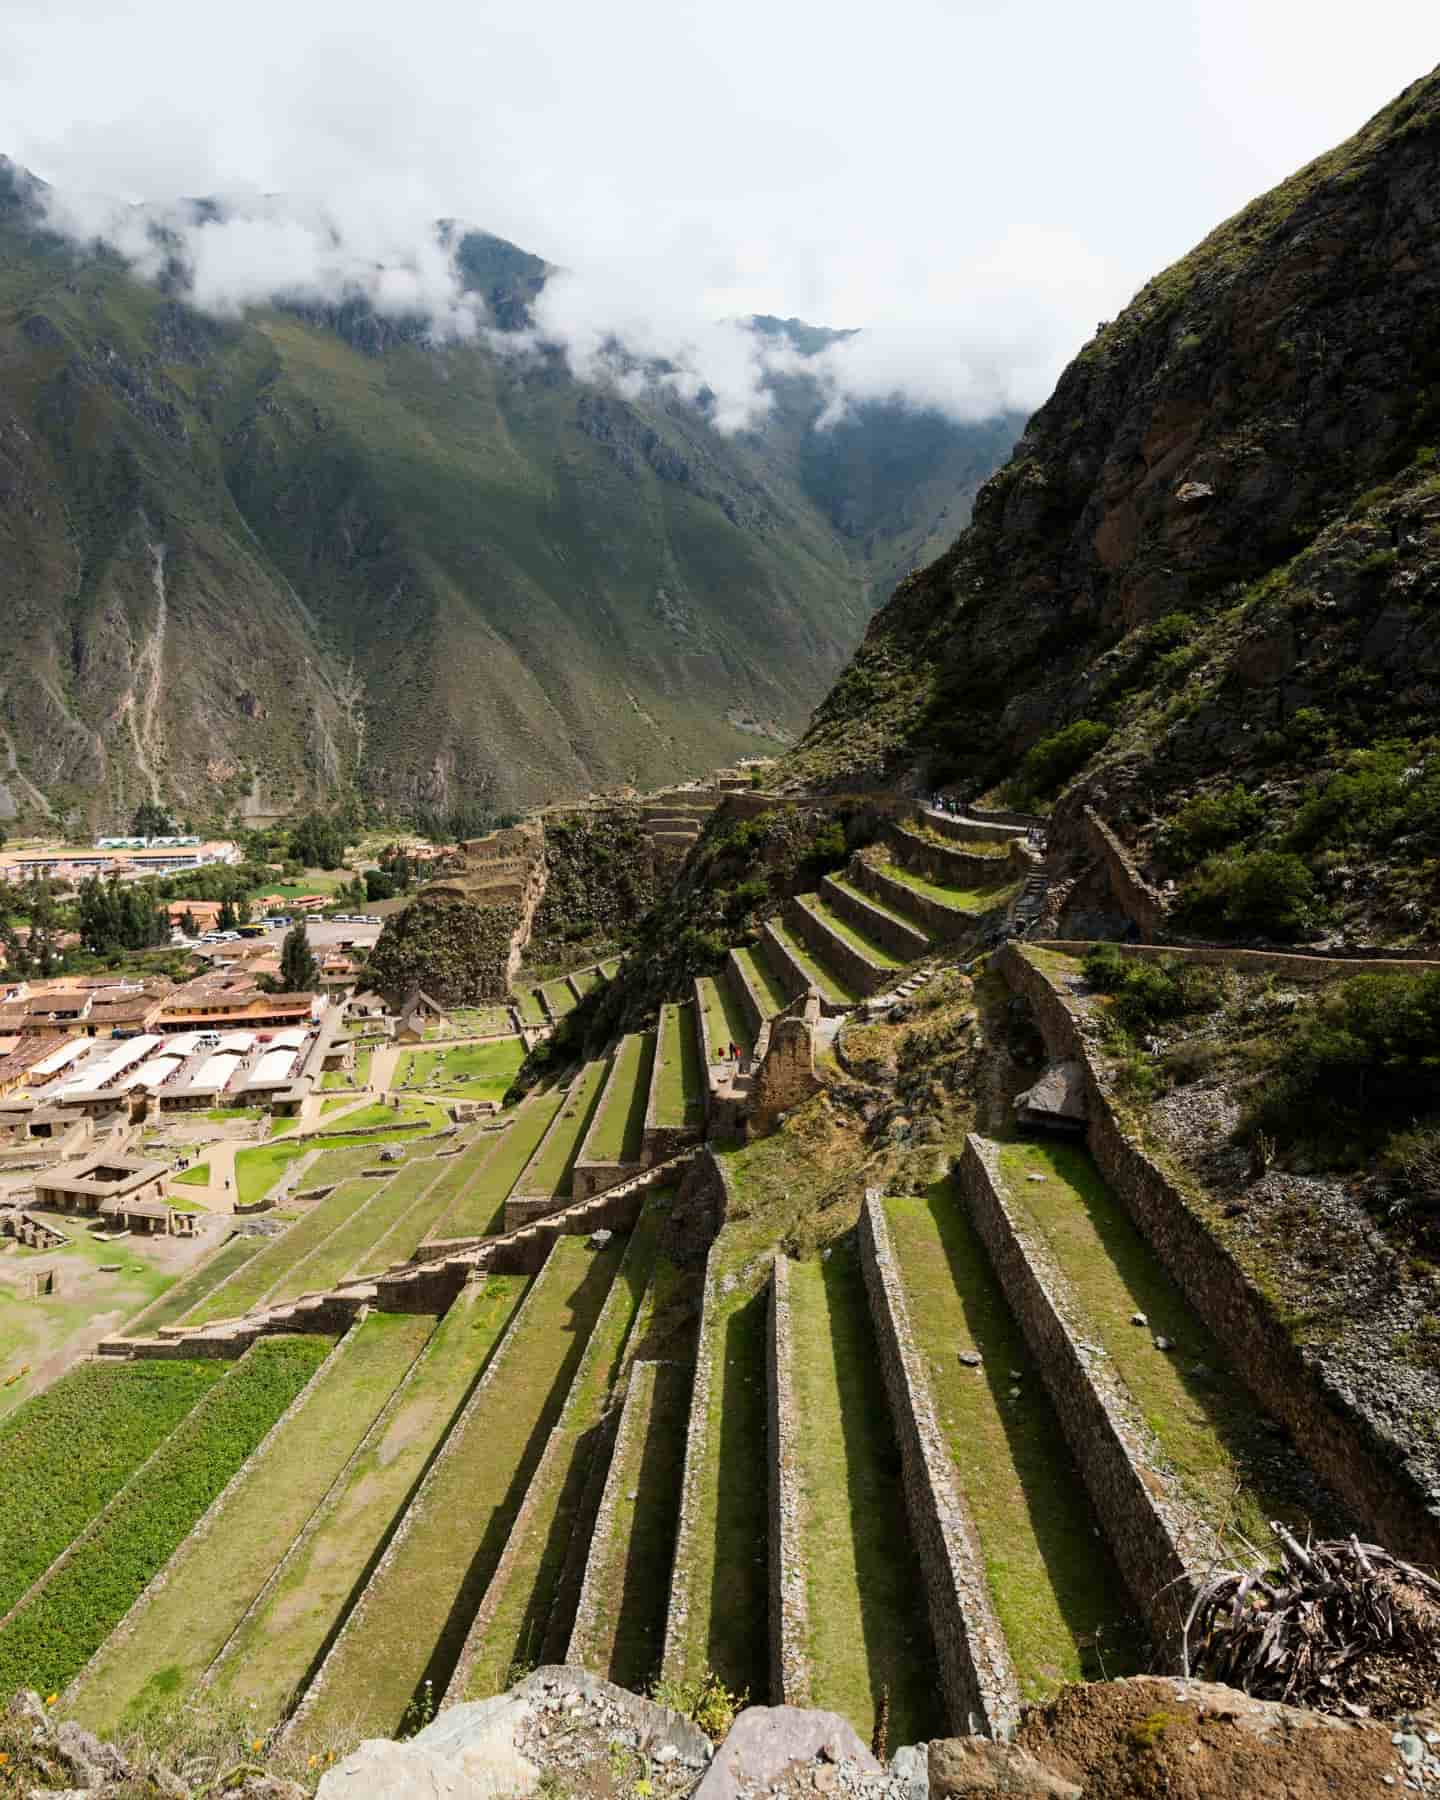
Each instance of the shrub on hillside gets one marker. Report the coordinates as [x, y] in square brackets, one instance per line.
[1050, 763]
[1208, 823]
[1144, 991]
[1376, 795]
[1268, 893]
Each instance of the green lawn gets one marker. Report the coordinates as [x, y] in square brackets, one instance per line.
[610, 969]
[211, 1584]
[629, 1570]
[411, 1111]
[474, 1021]
[420, 1603]
[281, 1637]
[587, 980]
[257, 1170]
[550, 1171]
[766, 985]
[680, 1100]
[54, 1634]
[376, 1209]
[619, 1126]
[816, 974]
[1055, 1589]
[850, 934]
[332, 1106]
[480, 1209]
[219, 1115]
[198, 1176]
[866, 1637]
[1209, 1429]
[724, 1018]
[339, 1079]
[466, 1071]
[520, 1608]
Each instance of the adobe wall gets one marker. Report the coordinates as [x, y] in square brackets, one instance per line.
[734, 976]
[1134, 895]
[937, 862]
[790, 1677]
[1362, 1460]
[1156, 1534]
[853, 966]
[977, 1679]
[904, 941]
[944, 922]
[592, 1636]
[675, 1656]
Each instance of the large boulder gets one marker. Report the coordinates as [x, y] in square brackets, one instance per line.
[975, 1768]
[766, 1741]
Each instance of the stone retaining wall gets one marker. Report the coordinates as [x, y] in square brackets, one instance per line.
[853, 966]
[592, 1635]
[734, 976]
[947, 923]
[1366, 1464]
[673, 1660]
[977, 1679]
[1293, 965]
[787, 971]
[590, 1175]
[1134, 895]
[970, 829]
[999, 815]
[1160, 1541]
[790, 1679]
[661, 1141]
[908, 942]
[937, 862]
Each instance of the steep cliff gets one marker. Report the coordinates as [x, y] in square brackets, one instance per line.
[1212, 562]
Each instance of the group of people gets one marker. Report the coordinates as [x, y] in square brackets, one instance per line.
[945, 803]
[729, 1053]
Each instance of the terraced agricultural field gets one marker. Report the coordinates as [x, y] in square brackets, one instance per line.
[559, 997]
[587, 980]
[412, 1621]
[850, 934]
[51, 1636]
[377, 1208]
[967, 899]
[164, 1648]
[680, 1098]
[531, 1011]
[263, 1272]
[1058, 1596]
[550, 1172]
[288, 1627]
[191, 1289]
[480, 1209]
[866, 1637]
[769, 990]
[465, 1071]
[818, 974]
[725, 1022]
[619, 1124]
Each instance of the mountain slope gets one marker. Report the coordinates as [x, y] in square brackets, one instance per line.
[1214, 556]
[256, 561]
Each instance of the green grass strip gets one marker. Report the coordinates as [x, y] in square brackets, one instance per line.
[816, 973]
[420, 1605]
[681, 1097]
[264, 1271]
[198, 1176]
[619, 1128]
[850, 934]
[587, 980]
[531, 1011]
[66, 1452]
[764, 982]
[887, 908]
[480, 1210]
[1059, 1598]
[551, 1170]
[866, 1637]
[963, 899]
[257, 1171]
[1210, 1430]
[520, 1611]
[189, 1292]
[611, 968]
[373, 1216]
[210, 1585]
[61, 1627]
[559, 997]
[282, 1637]
[724, 1020]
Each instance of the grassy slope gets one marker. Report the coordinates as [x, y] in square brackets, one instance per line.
[866, 1636]
[1053, 1587]
[354, 1241]
[967, 899]
[620, 1122]
[211, 1583]
[851, 934]
[480, 1209]
[819, 974]
[189, 1292]
[682, 1081]
[423, 1600]
[259, 1275]
[550, 1171]
[283, 1636]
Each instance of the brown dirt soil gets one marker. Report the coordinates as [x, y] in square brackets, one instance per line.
[1195, 1740]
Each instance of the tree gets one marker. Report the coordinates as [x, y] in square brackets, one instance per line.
[188, 925]
[379, 885]
[317, 842]
[226, 920]
[151, 821]
[299, 972]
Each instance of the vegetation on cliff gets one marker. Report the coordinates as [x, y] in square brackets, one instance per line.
[454, 950]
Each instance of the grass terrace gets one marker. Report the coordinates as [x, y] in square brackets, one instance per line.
[412, 1112]
[559, 998]
[680, 1099]
[376, 1209]
[480, 1209]
[211, 1584]
[199, 1176]
[848, 934]
[880, 906]
[1058, 1595]
[62, 1624]
[287, 1628]
[222, 1115]
[421, 1602]
[965, 899]
[219, 1266]
[531, 1011]
[620, 1123]
[587, 980]
[468, 1071]
[550, 1173]
[1211, 1432]
[724, 1019]
[836, 990]
[474, 1021]
[611, 968]
[68, 1451]
[257, 1171]
[867, 1638]
[763, 980]
[262, 1272]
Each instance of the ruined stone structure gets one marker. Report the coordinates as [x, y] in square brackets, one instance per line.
[785, 1073]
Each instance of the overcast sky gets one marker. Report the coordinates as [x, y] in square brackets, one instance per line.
[976, 183]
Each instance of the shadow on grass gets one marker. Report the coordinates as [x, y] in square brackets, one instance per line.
[737, 1647]
[645, 1595]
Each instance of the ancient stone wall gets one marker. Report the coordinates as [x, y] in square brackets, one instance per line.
[594, 1627]
[591, 1174]
[938, 862]
[969, 829]
[785, 1076]
[1352, 1450]
[788, 972]
[1293, 965]
[790, 1679]
[1140, 902]
[738, 982]
[852, 965]
[977, 1678]
[1157, 1536]
[947, 923]
[907, 942]
[661, 1141]
[675, 1657]
[999, 815]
